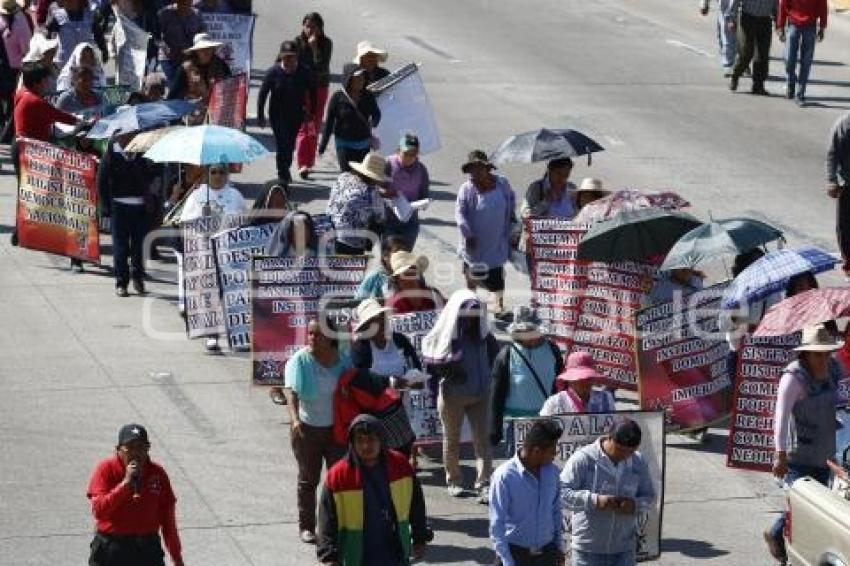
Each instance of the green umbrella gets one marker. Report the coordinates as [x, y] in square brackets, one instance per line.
[719, 238]
[634, 235]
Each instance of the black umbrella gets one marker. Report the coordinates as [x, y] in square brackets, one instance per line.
[544, 145]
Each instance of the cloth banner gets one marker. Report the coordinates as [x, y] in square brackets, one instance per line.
[405, 108]
[57, 201]
[583, 429]
[131, 47]
[228, 104]
[236, 32]
[420, 404]
[761, 362]
[587, 306]
[684, 361]
[204, 312]
[285, 293]
[233, 251]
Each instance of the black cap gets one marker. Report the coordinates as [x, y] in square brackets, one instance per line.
[627, 434]
[131, 432]
[288, 47]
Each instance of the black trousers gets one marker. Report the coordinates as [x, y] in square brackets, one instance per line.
[114, 550]
[129, 228]
[754, 34]
[842, 225]
[285, 133]
[345, 155]
[523, 557]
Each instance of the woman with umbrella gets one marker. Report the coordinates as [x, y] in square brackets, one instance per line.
[553, 195]
[804, 419]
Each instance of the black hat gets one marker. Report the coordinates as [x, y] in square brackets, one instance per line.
[476, 157]
[288, 47]
[627, 433]
[131, 432]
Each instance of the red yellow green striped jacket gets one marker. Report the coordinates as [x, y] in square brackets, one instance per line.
[340, 537]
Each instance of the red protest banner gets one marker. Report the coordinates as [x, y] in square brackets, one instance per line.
[761, 362]
[285, 293]
[684, 360]
[57, 201]
[228, 102]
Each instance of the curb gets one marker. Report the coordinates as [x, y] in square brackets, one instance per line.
[839, 5]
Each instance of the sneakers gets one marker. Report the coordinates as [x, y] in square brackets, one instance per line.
[76, 266]
[800, 99]
[139, 286]
[212, 345]
[304, 173]
[760, 91]
[483, 497]
[789, 91]
[121, 291]
[454, 490]
[307, 537]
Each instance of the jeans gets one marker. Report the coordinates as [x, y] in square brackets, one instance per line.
[754, 35]
[285, 134]
[795, 472]
[306, 142]
[522, 557]
[129, 228]
[315, 445]
[452, 409]
[581, 558]
[801, 41]
[344, 155]
[726, 39]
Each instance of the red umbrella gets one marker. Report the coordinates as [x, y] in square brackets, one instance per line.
[806, 309]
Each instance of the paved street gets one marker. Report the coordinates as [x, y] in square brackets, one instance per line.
[640, 77]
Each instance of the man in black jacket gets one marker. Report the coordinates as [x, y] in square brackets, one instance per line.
[293, 93]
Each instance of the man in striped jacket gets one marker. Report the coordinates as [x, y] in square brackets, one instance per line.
[372, 509]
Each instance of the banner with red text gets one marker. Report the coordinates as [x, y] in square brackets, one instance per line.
[228, 103]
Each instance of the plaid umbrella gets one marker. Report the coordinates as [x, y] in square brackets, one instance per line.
[772, 272]
[811, 307]
[628, 199]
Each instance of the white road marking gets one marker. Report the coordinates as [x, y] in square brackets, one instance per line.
[691, 48]
[614, 141]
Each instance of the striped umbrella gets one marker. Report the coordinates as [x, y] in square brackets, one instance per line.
[811, 307]
[772, 272]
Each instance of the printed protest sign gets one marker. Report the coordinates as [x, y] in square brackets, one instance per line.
[684, 360]
[233, 251]
[405, 108]
[583, 429]
[228, 102]
[420, 404]
[236, 32]
[204, 313]
[131, 47]
[761, 362]
[57, 201]
[285, 293]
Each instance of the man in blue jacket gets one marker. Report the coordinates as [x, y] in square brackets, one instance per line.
[607, 486]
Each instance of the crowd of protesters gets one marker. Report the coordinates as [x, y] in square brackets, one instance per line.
[343, 395]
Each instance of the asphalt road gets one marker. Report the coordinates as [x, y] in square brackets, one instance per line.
[641, 78]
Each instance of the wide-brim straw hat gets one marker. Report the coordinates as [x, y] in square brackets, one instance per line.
[203, 41]
[591, 185]
[818, 339]
[367, 311]
[373, 166]
[365, 47]
[401, 261]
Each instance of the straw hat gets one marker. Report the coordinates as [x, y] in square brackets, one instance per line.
[367, 311]
[818, 339]
[591, 185]
[365, 47]
[39, 45]
[373, 166]
[401, 261]
[203, 41]
[525, 324]
[580, 367]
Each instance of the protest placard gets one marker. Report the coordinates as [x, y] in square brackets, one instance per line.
[228, 102]
[684, 362]
[57, 201]
[583, 429]
[420, 404]
[236, 32]
[131, 52]
[285, 294]
[233, 250]
[405, 108]
[204, 313]
[761, 362]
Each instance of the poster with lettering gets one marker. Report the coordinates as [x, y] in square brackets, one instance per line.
[233, 250]
[684, 360]
[204, 313]
[285, 293]
[228, 103]
[581, 430]
[57, 201]
[420, 404]
[236, 32]
[761, 362]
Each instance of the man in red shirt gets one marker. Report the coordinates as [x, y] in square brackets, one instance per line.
[806, 20]
[132, 500]
[34, 116]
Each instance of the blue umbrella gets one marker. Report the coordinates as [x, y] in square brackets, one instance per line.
[205, 145]
[771, 273]
[140, 117]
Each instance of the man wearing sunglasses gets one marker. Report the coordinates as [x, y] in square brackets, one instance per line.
[132, 501]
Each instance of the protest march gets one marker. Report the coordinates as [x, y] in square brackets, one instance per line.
[131, 127]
